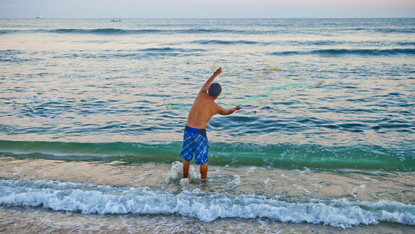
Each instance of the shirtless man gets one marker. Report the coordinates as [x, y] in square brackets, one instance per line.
[195, 141]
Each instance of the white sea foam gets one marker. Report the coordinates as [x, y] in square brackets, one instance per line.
[266, 181]
[301, 188]
[205, 206]
[251, 170]
[236, 181]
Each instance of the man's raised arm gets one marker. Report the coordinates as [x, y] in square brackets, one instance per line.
[206, 86]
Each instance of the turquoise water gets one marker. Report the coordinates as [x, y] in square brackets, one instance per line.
[290, 156]
[95, 90]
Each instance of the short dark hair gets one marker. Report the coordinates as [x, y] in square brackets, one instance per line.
[215, 89]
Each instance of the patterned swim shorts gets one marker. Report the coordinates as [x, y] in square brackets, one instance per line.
[195, 143]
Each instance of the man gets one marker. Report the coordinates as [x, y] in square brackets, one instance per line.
[195, 141]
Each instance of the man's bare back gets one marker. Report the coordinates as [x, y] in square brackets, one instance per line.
[203, 108]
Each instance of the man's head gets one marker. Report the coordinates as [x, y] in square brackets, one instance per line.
[215, 89]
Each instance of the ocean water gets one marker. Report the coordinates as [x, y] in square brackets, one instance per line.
[325, 144]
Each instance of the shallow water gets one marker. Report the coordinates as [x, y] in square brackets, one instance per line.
[242, 196]
[92, 115]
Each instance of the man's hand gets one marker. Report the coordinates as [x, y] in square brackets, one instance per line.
[217, 72]
[206, 86]
[230, 111]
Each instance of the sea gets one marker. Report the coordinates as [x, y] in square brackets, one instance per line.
[92, 114]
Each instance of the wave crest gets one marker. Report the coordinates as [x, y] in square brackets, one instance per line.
[205, 206]
[359, 52]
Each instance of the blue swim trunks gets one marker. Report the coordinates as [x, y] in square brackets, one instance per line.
[195, 143]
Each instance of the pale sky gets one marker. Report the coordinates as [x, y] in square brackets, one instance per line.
[206, 8]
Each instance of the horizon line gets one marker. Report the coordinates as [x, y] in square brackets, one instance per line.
[400, 17]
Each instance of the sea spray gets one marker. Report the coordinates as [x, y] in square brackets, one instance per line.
[176, 174]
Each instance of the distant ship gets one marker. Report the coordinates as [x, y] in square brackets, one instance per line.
[40, 17]
[116, 20]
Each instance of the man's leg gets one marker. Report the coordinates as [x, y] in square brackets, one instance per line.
[186, 165]
[203, 170]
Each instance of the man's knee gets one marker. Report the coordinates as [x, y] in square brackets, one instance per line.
[203, 167]
[186, 164]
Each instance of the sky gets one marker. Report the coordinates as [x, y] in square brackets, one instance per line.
[206, 8]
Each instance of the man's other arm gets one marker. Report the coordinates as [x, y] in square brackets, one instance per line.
[223, 111]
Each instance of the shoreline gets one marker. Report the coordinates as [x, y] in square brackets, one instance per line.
[350, 185]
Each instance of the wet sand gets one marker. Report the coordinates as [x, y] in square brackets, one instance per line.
[368, 186]
[28, 221]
